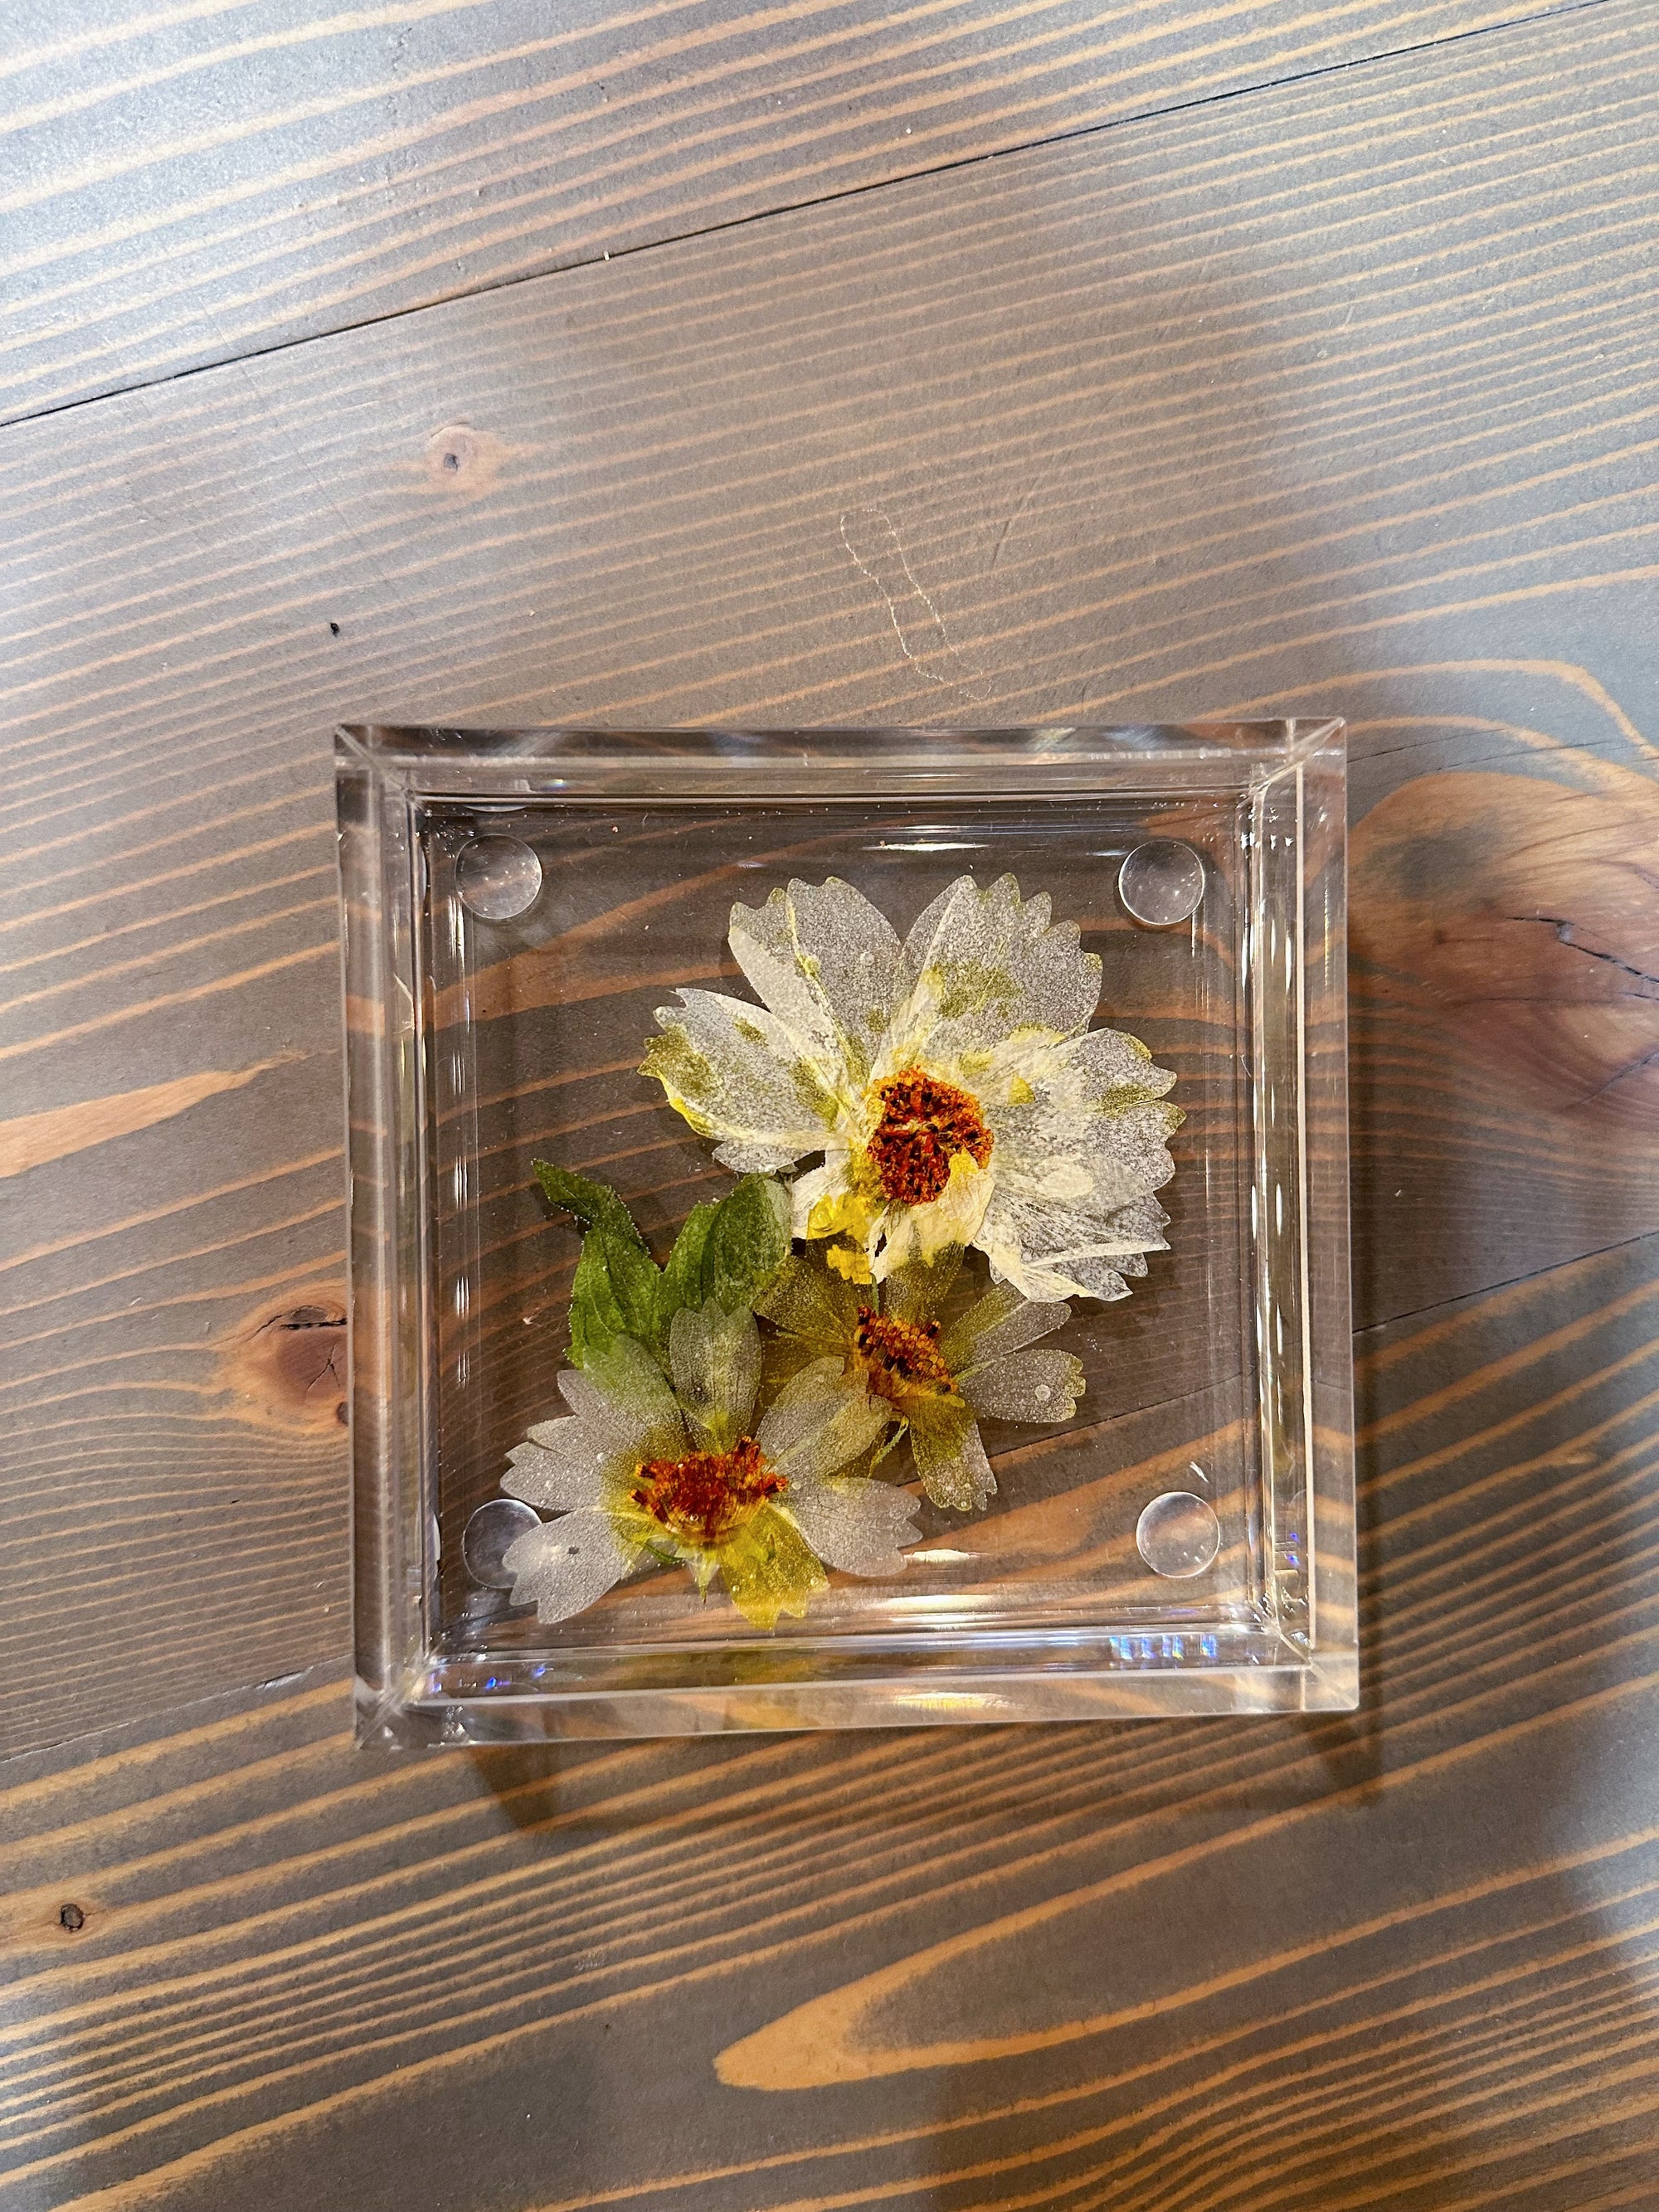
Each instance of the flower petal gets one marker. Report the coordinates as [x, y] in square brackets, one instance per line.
[855, 1525]
[1102, 1278]
[1040, 1277]
[624, 1397]
[816, 1424]
[770, 1569]
[808, 1388]
[832, 1200]
[1075, 1162]
[1053, 1251]
[1136, 1227]
[831, 1180]
[824, 960]
[736, 1073]
[563, 1468]
[1075, 1175]
[912, 1233]
[916, 1291]
[715, 1357]
[999, 1323]
[1107, 1061]
[805, 1300]
[744, 1157]
[980, 964]
[949, 1455]
[1059, 1149]
[1031, 1386]
[562, 1568]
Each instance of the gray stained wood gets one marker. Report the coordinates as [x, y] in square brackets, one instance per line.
[196, 182]
[1405, 1957]
[1335, 396]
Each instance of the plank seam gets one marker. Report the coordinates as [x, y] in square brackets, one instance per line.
[1079, 135]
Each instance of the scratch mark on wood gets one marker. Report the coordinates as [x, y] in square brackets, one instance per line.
[1031, 491]
[868, 534]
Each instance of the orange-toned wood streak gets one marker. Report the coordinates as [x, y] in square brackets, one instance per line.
[1335, 396]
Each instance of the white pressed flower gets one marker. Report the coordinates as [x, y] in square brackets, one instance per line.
[650, 1470]
[951, 1083]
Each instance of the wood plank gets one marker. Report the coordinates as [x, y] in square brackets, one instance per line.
[188, 184]
[1404, 1957]
[1339, 397]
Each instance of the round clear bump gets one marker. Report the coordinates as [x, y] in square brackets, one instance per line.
[1161, 882]
[1178, 1535]
[497, 879]
[490, 1534]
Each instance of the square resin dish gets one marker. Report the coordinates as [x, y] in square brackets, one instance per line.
[520, 904]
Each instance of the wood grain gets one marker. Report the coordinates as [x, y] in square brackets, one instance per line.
[1404, 1957]
[31, 1139]
[1338, 396]
[193, 183]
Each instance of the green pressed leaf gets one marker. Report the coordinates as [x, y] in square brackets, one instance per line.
[595, 1205]
[748, 1242]
[614, 1293]
[728, 1251]
[681, 1283]
[632, 1277]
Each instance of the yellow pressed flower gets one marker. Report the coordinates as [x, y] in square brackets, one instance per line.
[932, 1378]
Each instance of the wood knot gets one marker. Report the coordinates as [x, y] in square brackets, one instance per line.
[1520, 914]
[460, 461]
[290, 1363]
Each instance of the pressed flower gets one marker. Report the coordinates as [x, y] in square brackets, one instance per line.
[674, 1470]
[951, 1083]
[932, 1378]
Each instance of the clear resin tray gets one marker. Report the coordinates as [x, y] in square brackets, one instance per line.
[1172, 1533]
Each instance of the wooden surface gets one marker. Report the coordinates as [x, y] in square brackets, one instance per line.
[1335, 396]
[200, 181]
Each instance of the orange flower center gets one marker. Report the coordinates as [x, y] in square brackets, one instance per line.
[899, 1356]
[924, 1124]
[708, 1496]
